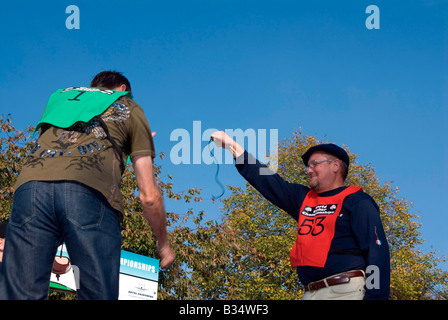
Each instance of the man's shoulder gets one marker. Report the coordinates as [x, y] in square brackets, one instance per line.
[361, 195]
[300, 191]
[360, 198]
[128, 101]
[128, 107]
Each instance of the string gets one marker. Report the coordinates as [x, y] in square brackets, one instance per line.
[216, 174]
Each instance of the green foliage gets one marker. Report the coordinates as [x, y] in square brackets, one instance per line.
[13, 147]
[245, 255]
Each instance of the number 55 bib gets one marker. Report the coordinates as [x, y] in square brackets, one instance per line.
[68, 106]
[316, 226]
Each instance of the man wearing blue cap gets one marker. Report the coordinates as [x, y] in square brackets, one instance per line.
[341, 251]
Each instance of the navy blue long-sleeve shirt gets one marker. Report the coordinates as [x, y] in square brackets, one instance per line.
[359, 240]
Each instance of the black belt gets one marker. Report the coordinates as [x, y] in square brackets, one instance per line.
[334, 280]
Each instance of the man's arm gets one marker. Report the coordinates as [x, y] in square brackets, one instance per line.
[153, 208]
[287, 196]
[369, 232]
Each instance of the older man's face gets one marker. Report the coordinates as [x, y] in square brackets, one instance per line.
[320, 170]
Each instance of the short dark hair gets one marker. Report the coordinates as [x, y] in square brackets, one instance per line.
[110, 80]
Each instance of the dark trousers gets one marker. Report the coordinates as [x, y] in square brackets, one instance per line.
[45, 214]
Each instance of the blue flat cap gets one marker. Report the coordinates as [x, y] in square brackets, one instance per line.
[330, 148]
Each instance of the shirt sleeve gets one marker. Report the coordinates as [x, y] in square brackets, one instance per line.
[140, 135]
[369, 231]
[283, 194]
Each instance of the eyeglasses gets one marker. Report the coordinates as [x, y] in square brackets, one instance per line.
[314, 163]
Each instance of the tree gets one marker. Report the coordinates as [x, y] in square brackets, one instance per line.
[14, 145]
[174, 282]
[245, 255]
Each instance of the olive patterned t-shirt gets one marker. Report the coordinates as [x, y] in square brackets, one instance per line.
[83, 153]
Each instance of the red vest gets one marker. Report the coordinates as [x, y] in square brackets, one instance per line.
[316, 225]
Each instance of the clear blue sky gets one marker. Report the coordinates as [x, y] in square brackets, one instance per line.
[255, 64]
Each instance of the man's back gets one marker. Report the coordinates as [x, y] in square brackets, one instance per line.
[83, 152]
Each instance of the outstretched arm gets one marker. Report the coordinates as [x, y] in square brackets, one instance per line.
[281, 193]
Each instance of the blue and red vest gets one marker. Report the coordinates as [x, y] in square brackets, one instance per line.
[316, 227]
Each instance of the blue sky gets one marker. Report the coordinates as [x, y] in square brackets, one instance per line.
[255, 64]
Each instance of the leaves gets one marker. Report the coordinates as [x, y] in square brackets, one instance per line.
[245, 255]
[14, 145]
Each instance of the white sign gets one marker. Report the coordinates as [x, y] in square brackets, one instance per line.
[138, 279]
